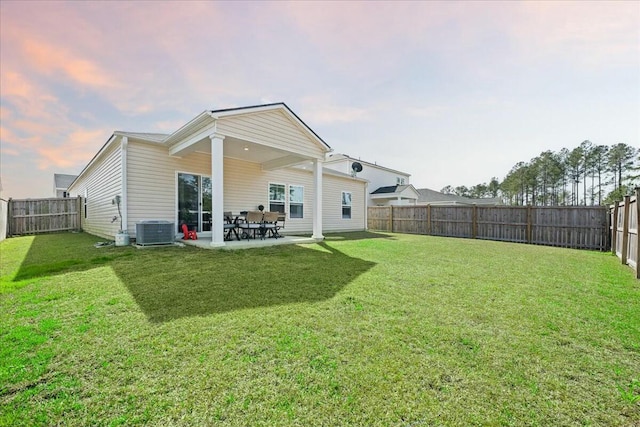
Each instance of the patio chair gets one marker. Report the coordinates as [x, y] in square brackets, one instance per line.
[188, 234]
[230, 226]
[270, 223]
[252, 224]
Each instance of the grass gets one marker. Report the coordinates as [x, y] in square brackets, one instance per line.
[363, 329]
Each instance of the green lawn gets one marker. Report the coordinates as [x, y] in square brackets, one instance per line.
[364, 329]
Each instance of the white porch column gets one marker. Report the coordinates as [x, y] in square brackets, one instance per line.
[317, 203]
[217, 188]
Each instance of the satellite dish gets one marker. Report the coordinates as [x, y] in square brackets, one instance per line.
[356, 167]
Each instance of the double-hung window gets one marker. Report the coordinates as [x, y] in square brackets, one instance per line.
[276, 198]
[296, 201]
[346, 205]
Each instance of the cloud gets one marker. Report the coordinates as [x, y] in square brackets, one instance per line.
[78, 148]
[324, 110]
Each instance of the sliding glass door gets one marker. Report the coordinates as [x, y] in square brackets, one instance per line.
[194, 202]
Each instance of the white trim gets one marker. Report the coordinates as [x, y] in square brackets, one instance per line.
[217, 187]
[288, 209]
[177, 199]
[269, 184]
[317, 203]
[124, 143]
[350, 205]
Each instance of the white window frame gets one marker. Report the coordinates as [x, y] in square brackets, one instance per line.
[284, 200]
[350, 205]
[301, 204]
[86, 203]
[399, 180]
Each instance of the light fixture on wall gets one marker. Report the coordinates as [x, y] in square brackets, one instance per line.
[245, 148]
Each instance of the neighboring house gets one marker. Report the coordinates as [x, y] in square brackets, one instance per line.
[61, 183]
[433, 197]
[381, 180]
[394, 195]
[223, 160]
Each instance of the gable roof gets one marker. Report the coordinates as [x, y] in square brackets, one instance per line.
[395, 191]
[63, 180]
[339, 157]
[208, 117]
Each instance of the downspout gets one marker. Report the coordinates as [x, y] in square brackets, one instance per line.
[124, 142]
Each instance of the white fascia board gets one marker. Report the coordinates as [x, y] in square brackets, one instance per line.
[193, 125]
[184, 144]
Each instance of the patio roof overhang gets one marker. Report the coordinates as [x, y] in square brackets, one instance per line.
[256, 147]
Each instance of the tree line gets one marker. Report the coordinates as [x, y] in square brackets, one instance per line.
[589, 174]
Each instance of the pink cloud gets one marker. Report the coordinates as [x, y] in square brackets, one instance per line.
[77, 150]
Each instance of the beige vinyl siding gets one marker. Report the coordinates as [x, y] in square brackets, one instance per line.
[247, 186]
[151, 181]
[152, 174]
[332, 204]
[271, 128]
[102, 181]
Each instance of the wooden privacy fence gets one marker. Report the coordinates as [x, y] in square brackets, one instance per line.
[565, 226]
[34, 216]
[624, 231]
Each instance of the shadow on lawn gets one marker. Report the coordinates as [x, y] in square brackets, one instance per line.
[170, 283]
[356, 235]
[207, 282]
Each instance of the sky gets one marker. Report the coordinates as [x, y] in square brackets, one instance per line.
[453, 93]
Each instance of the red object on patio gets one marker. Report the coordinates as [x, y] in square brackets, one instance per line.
[188, 234]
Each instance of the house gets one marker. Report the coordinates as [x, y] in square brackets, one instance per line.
[61, 183]
[222, 160]
[433, 197]
[386, 186]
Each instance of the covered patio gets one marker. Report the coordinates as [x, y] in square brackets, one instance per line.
[260, 140]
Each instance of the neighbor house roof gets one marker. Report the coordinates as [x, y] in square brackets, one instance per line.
[407, 191]
[339, 156]
[429, 196]
[62, 180]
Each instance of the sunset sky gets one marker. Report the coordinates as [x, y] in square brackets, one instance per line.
[451, 92]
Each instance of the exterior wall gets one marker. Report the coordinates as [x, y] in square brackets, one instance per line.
[272, 128]
[152, 182]
[333, 186]
[102, 181]
[377, 176]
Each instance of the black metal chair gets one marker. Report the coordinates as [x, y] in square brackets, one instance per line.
[230, 226]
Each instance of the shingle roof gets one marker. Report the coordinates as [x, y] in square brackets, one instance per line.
[384, 190]
[428, 195]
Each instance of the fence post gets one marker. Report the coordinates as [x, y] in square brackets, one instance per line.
[529, 226]
[391, 219]
[10, 217]
[428, 220]
[79, 213]
[474, 222]
[637, 260]
[625, 230]
[614, 228]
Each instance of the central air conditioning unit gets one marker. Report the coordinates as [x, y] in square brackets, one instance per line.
[154, 232]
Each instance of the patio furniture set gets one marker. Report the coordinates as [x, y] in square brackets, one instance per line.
[246, 225]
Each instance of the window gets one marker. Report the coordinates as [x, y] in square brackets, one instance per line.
[276, 198]
[296, 201]
[86, 196]
[346, 205]
[399, 180]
